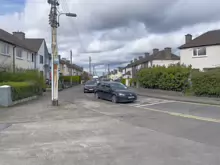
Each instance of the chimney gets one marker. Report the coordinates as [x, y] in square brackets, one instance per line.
[155, 51]
[146, 55]
[131, 61]
[19, 35]
[140, 57]
[188, 38]
[135, 60]
[168, 52]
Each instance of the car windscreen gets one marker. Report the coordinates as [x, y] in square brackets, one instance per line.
[91, 83]
[118, 86]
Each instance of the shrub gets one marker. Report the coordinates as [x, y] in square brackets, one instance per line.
[67, 79]
[123, 81]
[21, 90]
[174, 77]
[27, 75]
[206, 83]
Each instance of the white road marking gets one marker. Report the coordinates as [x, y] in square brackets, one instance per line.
[143, 101]
[162, 102]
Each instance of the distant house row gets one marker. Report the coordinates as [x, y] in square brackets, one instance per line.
[201, 52]
[18, 52]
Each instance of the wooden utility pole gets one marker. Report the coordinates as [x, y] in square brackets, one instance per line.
[71, 70]
[53, 21]
[90, 65]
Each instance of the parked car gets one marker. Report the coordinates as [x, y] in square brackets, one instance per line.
[115, 92]
[90, 86]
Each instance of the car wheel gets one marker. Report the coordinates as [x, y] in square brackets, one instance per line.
[114, 99]
[97, 96]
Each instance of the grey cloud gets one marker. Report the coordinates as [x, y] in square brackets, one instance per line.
[158, 16]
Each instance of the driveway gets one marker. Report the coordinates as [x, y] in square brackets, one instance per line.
[84, 131]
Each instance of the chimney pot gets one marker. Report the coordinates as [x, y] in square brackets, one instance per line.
[168, 52]
[188, 38]
[155, 51]
[140, 57]
[19, 35]
[146, 54]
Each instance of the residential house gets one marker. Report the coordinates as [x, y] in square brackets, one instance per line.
[20, 52]
[66, 68]
[158, 58]
[116, 74]
[126, 73]
[42, 57]
[202, 51]
[15, 53]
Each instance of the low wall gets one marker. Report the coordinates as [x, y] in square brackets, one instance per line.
[6, 97]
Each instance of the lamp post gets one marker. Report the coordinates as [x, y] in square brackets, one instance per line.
[54, 22]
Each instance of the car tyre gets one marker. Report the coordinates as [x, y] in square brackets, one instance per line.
[97, 95]
[114, 99]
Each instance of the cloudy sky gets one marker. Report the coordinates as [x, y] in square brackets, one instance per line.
[112, 32]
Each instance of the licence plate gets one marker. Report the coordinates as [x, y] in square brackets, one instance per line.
[130, 97]
[91, 89]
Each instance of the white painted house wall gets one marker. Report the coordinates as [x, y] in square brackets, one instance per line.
[165, 63]
[127, 70]
[41, 52]
[210, 60]
[24, 61]
[6, 57]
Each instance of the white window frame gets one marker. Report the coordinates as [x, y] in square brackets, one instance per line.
[5, 49]
[28, 56]
[19, 53]
[197, 52]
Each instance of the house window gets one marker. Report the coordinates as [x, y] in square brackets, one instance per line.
[32, 57]
[199, 51]
[19, 52]
[41, 59]
[5, 49]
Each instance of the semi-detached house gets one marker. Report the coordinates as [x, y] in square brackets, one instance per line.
[19, 52]
[202, 51]
[15, 54]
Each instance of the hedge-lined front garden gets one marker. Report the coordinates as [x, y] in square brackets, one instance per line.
[206, 83]
[21, 90]
[67, 79]
[173, 78]
[23, 84]
[180, 78]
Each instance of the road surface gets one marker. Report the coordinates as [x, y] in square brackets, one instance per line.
[86, 131]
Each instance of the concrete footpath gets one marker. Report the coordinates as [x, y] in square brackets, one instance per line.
[177, 96]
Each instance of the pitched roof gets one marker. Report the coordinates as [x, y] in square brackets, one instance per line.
[34, 43]
[207, 39]
[161, 55]
[11, 39]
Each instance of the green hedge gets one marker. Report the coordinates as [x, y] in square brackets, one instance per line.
[21, 90]
[206, 83]
[23, 76]
[75, 79]
[174, 77]
[123, 81]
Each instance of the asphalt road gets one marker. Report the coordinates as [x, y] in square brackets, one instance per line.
[83, 130]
